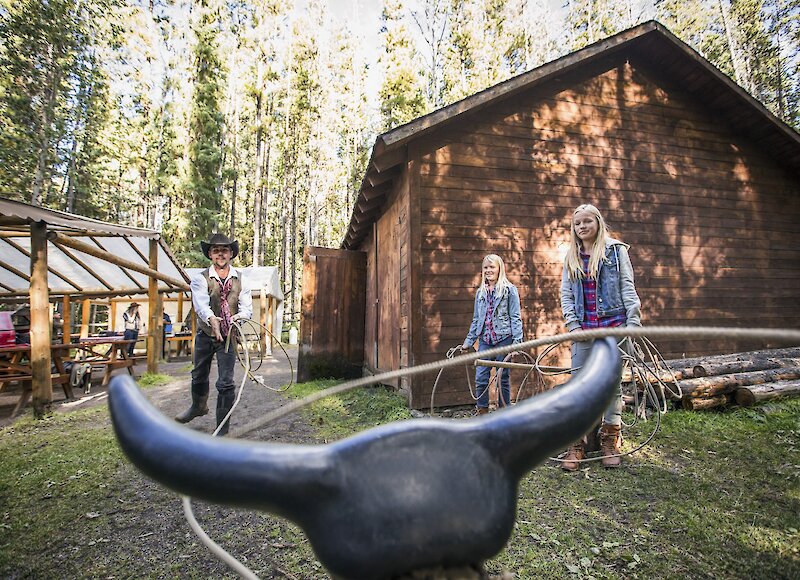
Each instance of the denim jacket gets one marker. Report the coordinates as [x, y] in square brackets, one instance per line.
[616, 292]
[505, 318]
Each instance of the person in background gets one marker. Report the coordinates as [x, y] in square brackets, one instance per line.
[167, 331]
[132, 322]
[218, 299]
[597, 291]
[496, 322]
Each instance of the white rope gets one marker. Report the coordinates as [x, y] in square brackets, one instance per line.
[710, 332]
[215, 548]
[791, 336]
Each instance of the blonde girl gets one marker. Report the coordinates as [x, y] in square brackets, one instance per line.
[597, 291]
[496, 322]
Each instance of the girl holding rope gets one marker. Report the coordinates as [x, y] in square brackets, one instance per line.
[597, 291]
[496, 322]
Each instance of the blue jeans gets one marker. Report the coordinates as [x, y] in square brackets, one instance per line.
[580, 353]
[131, 335]
[205, 347]
[482, 377]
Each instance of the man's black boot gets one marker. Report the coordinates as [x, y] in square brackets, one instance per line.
[198, 409]
[225, 401]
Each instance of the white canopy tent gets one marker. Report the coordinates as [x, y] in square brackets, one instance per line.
[46, 253]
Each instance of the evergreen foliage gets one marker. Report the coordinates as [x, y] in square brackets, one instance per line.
[206, 213]
[256, 118]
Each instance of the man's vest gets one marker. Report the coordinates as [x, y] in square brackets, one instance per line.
[215, 296]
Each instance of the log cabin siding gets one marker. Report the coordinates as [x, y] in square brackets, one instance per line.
[707, 214]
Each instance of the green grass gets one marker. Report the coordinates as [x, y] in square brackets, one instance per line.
[151, 379]
[715, 495]
[341, 415]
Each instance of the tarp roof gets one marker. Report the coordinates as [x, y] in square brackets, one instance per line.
[73, 271]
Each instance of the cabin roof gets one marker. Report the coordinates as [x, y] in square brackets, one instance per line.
[650, 41]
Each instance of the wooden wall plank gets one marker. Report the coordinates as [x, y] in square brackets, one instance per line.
[708, 215]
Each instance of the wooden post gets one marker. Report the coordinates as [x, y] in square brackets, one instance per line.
[271, 322]
[86, 312]
[263, 316]
[154, 335]
[113, 315]
[66, 317]
[180, 310]
[42, 382]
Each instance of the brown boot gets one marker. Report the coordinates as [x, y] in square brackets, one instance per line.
[610, 441]
[572, 461]
[481, 410]
[198, 409]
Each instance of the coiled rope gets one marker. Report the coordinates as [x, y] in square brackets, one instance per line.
[240, 338]
[708, 332]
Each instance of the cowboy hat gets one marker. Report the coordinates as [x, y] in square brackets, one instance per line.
[220, 240]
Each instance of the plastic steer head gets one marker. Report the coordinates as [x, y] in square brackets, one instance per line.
[397, 498]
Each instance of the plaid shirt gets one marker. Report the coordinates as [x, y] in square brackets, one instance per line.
[590, 318]
[489, 336]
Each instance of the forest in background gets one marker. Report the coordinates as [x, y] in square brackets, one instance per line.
[256, 118]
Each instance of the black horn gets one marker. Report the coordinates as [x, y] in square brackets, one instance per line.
[387, 501]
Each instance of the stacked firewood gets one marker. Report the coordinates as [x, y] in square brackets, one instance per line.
[742, 378]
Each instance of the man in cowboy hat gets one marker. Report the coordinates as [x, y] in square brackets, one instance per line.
[218, 299]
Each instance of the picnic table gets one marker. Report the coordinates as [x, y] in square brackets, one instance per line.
[109, 353]
[181, 342]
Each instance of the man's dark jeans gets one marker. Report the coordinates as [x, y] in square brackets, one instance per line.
[205, 347]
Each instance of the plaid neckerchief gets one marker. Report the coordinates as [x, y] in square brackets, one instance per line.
[225, 308]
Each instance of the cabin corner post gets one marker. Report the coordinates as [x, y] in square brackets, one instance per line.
[415, 319]
[42, 383]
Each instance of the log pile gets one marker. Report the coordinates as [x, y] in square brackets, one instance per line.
[742, 378]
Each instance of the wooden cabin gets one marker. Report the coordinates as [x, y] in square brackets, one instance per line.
[688, 168]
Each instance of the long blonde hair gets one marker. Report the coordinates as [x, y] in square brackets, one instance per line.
[502, 283]
[573, 261]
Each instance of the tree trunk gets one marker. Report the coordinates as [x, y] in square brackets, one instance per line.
[663, 376]
[736, 61]
[42, 383]
[45, 120]
[265, 223]
[747, 364]
[752, 394]
[258, 186]
[687, 364]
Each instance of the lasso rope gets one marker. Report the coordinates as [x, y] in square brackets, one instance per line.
[710, 332]
[237, 330]
[782, 335]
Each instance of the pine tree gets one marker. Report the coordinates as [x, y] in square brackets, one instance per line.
[40, 43]
[401, 94]
[206, 125]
